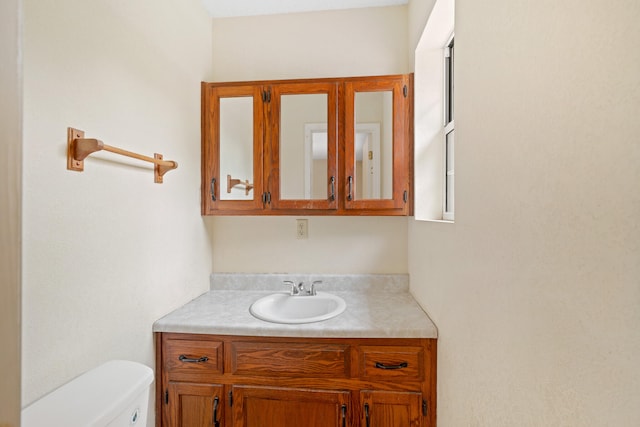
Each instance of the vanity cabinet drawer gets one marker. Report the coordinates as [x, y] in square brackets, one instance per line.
[182, 356]
[290, 359]
[392, 362]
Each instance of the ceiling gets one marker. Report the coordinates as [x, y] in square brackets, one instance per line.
[230, 8]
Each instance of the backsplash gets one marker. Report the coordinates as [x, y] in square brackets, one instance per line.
[330, 282]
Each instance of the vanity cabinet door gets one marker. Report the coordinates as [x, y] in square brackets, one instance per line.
[390, 409]
[377, 145]
[232, 148]
[195, 405]
[289, 407]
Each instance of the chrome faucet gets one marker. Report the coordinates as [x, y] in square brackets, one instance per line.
[300, 289]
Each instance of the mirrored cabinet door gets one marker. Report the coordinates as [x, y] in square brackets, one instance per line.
[335, 146]
[232, 148]
[303, 145]
[377, 146]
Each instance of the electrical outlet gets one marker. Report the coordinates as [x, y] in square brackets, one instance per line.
[302, 229]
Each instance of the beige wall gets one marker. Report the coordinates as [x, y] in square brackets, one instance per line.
[335, 245]
[319, 44]
[305, 45]
[107, 251]
[536, 287]
[10, 221]
[418, 14]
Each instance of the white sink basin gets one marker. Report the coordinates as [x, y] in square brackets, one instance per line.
[285, 308]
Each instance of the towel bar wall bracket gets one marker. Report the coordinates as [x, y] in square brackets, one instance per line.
[231, 182]
[79, 147]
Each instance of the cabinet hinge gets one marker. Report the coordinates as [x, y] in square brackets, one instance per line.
[424, 407]
[405, 196]
[166, 397]
[231, 398]
[266, 198]
[266, 96]
[405, 91]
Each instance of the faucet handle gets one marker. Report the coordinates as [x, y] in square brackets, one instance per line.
[294, 289]
[313, 286]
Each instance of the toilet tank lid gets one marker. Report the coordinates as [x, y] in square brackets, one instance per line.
[93, 398]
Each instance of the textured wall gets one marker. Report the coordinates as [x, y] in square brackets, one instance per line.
[536, 287]
[10, 191]
[107, 251]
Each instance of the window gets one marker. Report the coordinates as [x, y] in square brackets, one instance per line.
[449, 133]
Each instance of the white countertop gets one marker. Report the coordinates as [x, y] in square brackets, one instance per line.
[374, 310]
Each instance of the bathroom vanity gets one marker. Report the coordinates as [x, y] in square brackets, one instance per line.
[374, 365]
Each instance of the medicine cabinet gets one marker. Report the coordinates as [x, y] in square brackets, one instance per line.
[339, 146]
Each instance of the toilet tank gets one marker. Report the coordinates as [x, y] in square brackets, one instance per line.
[115, 394]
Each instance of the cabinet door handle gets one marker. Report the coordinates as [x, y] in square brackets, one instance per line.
[344, 415]
[332, 196]
[186, 359]
[380, 365]
[213, 189]
[366, 414]
[349, 195]
[216, 421]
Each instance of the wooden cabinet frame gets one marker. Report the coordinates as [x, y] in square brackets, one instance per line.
[338, 373]
[266, 158]
[212, 183]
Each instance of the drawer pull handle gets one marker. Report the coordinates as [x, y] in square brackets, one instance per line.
[344, 415]
[186, 359]
[216, 421]
[399, 366]
[332, 196]
[366, 414]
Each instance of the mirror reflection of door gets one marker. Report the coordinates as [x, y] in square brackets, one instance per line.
[367, 148]
[373, 155]
[236, 146]
[296, 179]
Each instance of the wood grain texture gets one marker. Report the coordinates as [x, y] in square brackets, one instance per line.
[290, 359]
[280, 407]
[298, 376]
[392, 357]
[195, 405]
[386, 409]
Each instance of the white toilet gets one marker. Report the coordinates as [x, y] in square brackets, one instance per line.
[115, 394]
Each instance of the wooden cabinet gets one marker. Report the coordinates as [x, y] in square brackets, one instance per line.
[263, 381]
[308, 147]
[194, 404]
[391, 408]
[289, 407]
